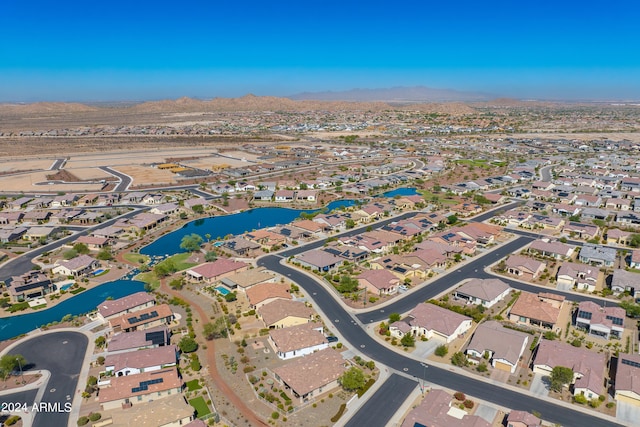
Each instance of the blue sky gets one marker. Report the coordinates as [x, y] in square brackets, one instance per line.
[137, 49]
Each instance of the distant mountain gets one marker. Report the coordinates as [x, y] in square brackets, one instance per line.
[401, 94]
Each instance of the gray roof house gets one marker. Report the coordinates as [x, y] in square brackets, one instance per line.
[597, 255]
[503, 346]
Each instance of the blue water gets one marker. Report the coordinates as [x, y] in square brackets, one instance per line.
[404, 191]
[66, 287]
[169, 244]
[79, 304]
[223, 291]
[95, 273]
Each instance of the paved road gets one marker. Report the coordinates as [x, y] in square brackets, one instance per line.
[395, 390]
[57, 165]
[23, 264]
[545, 173]
[352, 331]
[63, 358]
[125, 180]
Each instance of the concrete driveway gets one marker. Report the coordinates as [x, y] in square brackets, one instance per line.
[539, 385]
[627, 413]
[425, 349]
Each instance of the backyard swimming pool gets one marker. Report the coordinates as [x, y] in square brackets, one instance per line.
[222, 291]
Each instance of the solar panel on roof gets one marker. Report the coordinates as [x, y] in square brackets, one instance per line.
[143, 316]
[156, 338]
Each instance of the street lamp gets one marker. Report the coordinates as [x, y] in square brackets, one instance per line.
[424, 376]
[20, 366]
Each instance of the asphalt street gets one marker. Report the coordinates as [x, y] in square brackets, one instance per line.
[352, 331]
[125, 180]
[62, 354]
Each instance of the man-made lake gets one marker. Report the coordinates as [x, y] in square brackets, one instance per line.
[79, 304]
[169, 244]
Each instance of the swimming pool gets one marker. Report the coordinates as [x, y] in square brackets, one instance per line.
[99, 271]
[65, 287]
[218, 244]
[222, 291]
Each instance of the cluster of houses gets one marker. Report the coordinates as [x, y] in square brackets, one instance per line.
[141, 380]
[295, 335]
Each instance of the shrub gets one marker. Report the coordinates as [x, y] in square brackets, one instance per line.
[580, 399]
[95, 416]
[82, 421]
[442, 350]
[12, 420]
[576, 343]
[468, 403]
[482, 367]
[460, 396]
[275, 415]
[338, 414]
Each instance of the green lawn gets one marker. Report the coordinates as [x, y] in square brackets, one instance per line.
[442, 197]
[181, 261]
[149, 278]
[200, 406]
[136, 258]
[193, 385]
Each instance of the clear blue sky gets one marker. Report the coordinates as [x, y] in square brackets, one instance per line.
[137, 49]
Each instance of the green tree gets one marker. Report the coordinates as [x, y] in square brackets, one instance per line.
[176, 283]
[165, 268]
[81, 248]
[70, 254]
[191, 242]
[352, 379]
[230, 297]
[634, 242]
[350, 224]
[394, 317]
[197, 209]
[452, 219]
[105, 254]
[100, 341]
[210, 256]
[632, 309]
[561, 375]
[408, 340]
[187, 344]
[347, 284]
[10, 363]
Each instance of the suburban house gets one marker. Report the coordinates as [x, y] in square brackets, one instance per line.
[136, 340]
[143, 319]
[625, 281]
[522, 419]
[486, 292]
[137, 362]
[12, 234]
[264, 293]
[283, 313]
[432, 321]
[524, 267]
[76, 267]
[634, 262]
[265, 238]
[555, 249]
[285, 196]
[541, 310]
[33, 284]
[172, 411]
[319, 260]
[296, 341]
[110, 309]
[125, 391]
[312, 375]
[600, 322]
[627, 381]
[438, 409]
[248, 278]
[601, 256]
[501, 346]
[93, 242]
[210, 272]
[379, 282]
[571, 275]
[588, 366]
[241, 246]
[583, 231]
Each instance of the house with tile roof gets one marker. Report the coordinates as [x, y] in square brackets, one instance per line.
[312, 375]
[438, 409]
[210, 272]
[597, 255]
[379, 282]
[432, 321]
[76, 267]
[522, 419]
[600, 322]
[264, 293]
[297, 341]
[283, 313]
[588, 366]
[627, 379]
[110, 309]
[583, 277]
[551, 249]
[146, 318]
[130, 390]
[536, 310]
[137, 362]
[524, 267]
[503, 347]
[158, 336]
[486, 292]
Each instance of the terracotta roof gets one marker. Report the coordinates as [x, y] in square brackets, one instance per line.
[524, 417]
[380, 279]
[136, 339]
[485, 289]
[628, 373]
[297, 337]
[143, 358]
[436, 410]
[530, 306]
[581, 361]
[153, 413]
[110, 307]
[218, 267]
[281, 309]
[264, 291]
[433, 317]
[142, 317]
[313, 371]
[129, 386]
